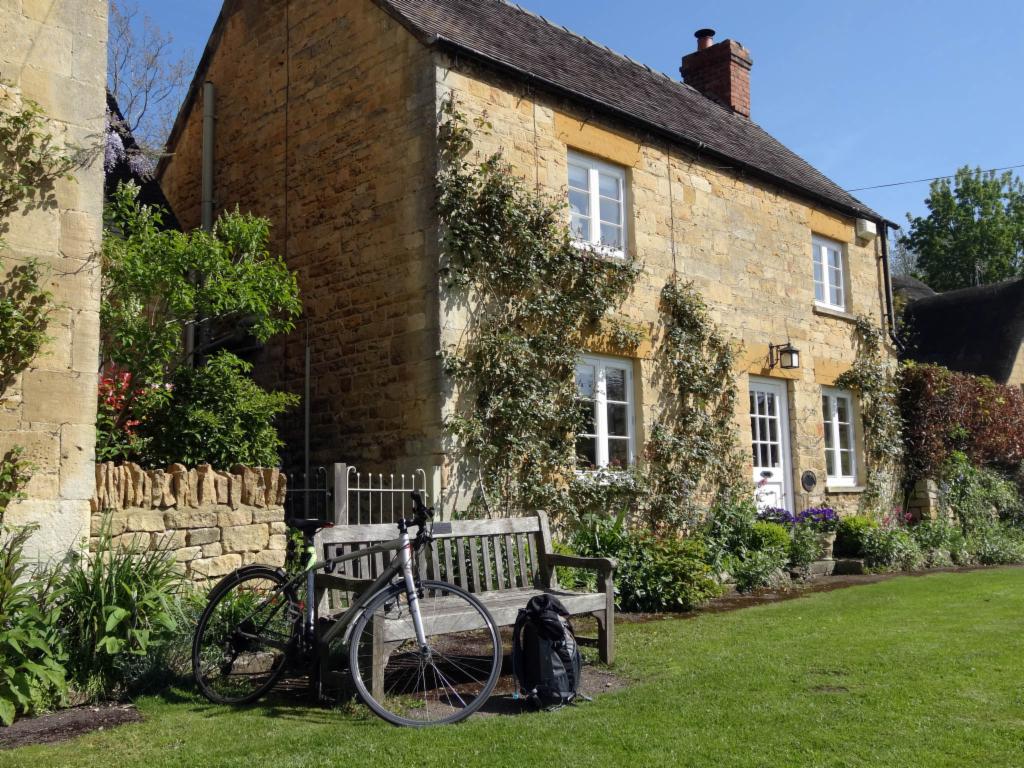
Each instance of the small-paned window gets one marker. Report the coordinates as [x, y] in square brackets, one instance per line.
[604, 388]
[829, 273]
[597, 203]
[840, 447]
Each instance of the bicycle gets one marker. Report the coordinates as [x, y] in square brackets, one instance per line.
[421, 652]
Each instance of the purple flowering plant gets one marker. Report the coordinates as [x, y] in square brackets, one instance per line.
[776, 515]
[823, 519]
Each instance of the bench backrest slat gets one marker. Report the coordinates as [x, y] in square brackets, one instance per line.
[478, 555]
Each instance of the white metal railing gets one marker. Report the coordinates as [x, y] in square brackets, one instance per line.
[375, 497]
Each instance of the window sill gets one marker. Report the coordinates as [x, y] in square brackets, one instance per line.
[834, 489]
[600, 251]
[839, 314]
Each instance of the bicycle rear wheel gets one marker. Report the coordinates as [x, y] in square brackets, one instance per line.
[245, 636]
[444, 683]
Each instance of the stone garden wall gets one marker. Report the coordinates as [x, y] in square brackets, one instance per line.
[212, 521]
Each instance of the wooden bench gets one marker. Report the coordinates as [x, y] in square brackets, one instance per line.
[503, 562]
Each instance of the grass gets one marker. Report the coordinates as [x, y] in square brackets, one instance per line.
[917, 671]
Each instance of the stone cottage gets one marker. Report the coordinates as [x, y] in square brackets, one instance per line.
[54, 53]
[325, 118]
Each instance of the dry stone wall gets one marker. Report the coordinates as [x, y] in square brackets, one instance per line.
[211, 521]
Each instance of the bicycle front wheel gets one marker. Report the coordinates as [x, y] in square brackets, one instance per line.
[443, 683]
[245, 636]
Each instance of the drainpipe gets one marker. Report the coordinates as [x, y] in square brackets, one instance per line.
[209, 117]
[890, 312]
[206, 201]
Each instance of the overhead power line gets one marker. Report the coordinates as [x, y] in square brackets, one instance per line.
[934, 178]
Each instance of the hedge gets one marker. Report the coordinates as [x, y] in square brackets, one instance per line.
[945, 411]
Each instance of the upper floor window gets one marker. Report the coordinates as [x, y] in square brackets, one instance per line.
[604, 387]
[597, 201]
[829, 273]
[840, 450]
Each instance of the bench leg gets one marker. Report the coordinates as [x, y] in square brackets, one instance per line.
[605, 636]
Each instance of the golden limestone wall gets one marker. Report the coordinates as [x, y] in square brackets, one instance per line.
[54, 53]
[744, 244]
[325, 125]
[211, 522]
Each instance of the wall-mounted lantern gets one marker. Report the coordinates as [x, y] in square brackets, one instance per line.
[785, 356]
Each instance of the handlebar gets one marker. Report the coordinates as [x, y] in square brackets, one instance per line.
[421, 512]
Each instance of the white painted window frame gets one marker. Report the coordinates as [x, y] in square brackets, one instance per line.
[832, 427]
[601, 364]
[820, 247]
[594, 168]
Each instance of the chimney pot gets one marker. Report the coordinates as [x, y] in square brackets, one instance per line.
[705, 38]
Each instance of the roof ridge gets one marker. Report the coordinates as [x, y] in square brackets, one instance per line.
[594, 43]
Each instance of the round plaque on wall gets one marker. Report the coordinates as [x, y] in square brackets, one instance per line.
[808, 480]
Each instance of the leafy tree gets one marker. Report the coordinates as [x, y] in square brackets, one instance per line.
[144, 75]
[974, 233]
[156, 282]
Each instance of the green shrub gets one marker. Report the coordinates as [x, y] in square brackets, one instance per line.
[891, 549]
[757, 568]
[117, 605]
[727, 530]
[653, 574]
[804, 547]
[977, 496]
[215, 414]
[996, 544]
[32, 676]
[768, 536]
[941, 543]
[850, 536]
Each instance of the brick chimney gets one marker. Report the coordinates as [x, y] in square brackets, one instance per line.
[721, 71]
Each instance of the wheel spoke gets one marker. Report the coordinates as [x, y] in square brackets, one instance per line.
[445, 683]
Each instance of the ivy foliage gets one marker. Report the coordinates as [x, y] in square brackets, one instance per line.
[31, 158]
[532, 296]
[876, 382]
[691, 456]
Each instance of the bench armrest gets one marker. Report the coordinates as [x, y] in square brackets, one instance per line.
[603, 565]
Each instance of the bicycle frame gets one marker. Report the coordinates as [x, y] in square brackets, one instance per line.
[399, 566]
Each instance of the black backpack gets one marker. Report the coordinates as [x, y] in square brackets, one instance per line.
[545, 657]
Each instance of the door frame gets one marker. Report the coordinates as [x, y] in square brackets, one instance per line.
[780, 387]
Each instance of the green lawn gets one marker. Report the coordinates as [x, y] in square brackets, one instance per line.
[919, 671]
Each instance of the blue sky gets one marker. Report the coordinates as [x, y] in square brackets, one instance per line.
[870, 92]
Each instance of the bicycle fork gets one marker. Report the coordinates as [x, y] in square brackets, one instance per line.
[405, 555]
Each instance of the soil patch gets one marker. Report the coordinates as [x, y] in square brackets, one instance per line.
[594, 682]
[66, 724]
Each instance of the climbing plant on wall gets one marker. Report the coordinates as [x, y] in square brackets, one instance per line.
[691, 455]
[531, 296]
[875, 380]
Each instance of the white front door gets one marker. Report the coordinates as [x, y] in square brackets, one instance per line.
[769, 443]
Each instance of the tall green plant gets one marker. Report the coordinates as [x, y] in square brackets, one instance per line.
[156, 282]
[31, 672]
[116, 603]
[531, 296]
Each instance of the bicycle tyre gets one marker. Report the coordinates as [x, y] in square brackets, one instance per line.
[229, 631]
[462, 681]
